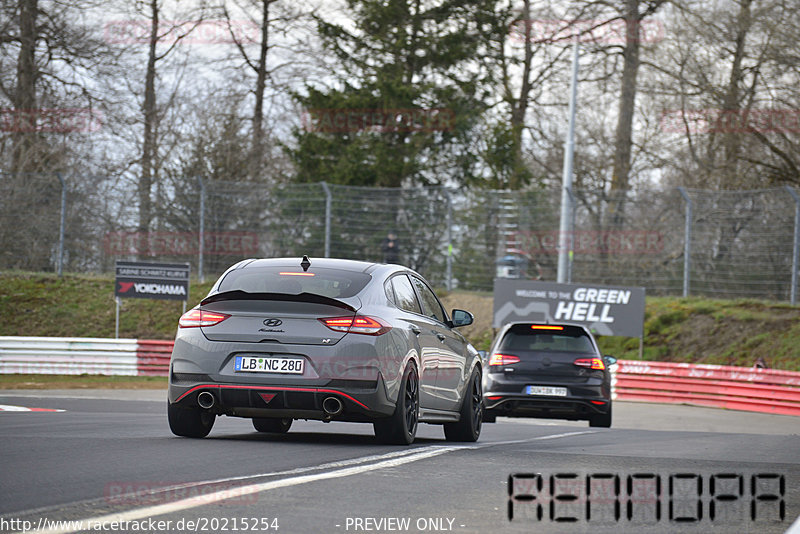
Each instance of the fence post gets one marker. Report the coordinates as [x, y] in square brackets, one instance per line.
[328, 201]
[566, 179]
[796, 247]
[449, 271]
[571, 252]
[687, 241]
[60, 267]
[202, 233]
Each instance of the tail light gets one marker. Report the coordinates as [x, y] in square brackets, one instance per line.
[503, 359]
[360, 324]
[197, 317]
[590, 363]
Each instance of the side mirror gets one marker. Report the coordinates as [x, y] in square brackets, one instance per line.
[462, 318]
[610, 360]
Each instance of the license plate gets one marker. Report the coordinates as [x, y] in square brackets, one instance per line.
[546, 390]
[268, 364]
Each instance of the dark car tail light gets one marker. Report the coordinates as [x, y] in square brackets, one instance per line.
[590, 363]
[196, 317]
[503, 359]
[360, 324]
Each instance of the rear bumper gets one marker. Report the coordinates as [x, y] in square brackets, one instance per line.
[362, 401]
[545, 407]
[360, 374]
[507, 398]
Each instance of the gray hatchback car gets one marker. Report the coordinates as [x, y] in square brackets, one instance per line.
[325, 339]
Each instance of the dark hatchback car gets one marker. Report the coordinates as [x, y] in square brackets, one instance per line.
[331, 340]
[550, 371]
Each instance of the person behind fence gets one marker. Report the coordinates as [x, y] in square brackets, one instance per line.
[390, 248]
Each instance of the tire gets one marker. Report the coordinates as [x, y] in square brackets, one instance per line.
[401, 427]
[602, 420]
[468, 427]
[189, 422]
[275, 426]
[489, 417]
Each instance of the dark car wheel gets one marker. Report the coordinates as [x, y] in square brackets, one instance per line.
[602, 420]
[489, 417]
[268, 424]
[401, 427]
[189, 422]
[468, 427]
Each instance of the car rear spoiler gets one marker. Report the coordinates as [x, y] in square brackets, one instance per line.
[302, 297]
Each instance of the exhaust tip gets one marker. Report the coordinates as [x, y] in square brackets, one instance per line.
[332, 406]
[205, 400]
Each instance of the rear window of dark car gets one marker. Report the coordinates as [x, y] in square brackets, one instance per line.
[333, 283]
[526, 337]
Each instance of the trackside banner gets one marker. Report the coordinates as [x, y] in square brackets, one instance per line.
[168, 281]
[605, 310]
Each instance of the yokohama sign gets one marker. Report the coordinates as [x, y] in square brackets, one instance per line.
[168, 281]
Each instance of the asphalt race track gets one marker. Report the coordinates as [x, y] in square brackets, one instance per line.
[110, 461]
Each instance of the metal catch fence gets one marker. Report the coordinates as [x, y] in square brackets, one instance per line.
[671, 241]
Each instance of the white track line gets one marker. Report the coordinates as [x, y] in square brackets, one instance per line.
[795, 527]
[9, 408]
[381, 461]
[193, 502]
[540, 438]
[295, 471]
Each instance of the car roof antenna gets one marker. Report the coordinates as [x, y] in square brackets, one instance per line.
[305, 264]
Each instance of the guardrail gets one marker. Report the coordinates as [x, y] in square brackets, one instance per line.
[153, 357]
[80, 355]
[719, 386]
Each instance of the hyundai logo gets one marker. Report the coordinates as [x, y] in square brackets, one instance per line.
[272, 322]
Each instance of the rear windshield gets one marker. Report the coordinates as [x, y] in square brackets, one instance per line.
[524, 337]
[333, 283]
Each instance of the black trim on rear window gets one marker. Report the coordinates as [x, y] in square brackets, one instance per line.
[302, 297]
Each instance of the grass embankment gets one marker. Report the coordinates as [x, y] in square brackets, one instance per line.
[693, 330]
[731, 332]
[727, 332]
[83, 306]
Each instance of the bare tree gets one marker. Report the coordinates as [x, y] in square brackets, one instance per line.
[177, 30]
[43, 57]
[45, 52]
[25, 92]
[729, 79]
[274, 20]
